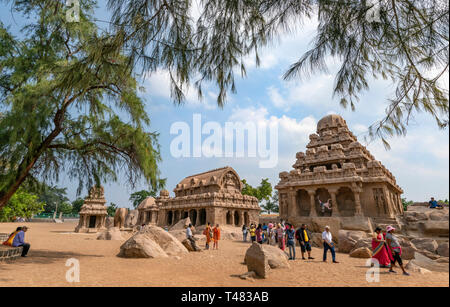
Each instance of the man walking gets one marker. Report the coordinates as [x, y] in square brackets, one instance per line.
[328, 245]
[303, 236]
[19, 240]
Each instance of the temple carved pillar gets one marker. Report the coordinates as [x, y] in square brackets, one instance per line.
[389, 205]
[358, 210]
[292, 203]
[334, 204]
[312, 202]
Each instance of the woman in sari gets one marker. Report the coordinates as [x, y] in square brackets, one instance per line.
[380, 252]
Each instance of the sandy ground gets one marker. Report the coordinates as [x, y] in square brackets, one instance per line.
[52, 244]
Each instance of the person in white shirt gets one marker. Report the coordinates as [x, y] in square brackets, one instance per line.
[328, 245]
[190, 237]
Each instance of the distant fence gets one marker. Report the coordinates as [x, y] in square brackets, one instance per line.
[49, 216]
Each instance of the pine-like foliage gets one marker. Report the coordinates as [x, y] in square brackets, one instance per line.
[405, 41]
[69, 103]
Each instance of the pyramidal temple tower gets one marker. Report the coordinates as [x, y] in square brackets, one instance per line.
[337, 167]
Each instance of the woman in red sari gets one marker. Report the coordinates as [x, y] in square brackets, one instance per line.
[380, 252]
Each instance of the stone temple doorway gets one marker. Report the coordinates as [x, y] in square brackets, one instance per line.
[92, 220]
[346, 202]
[236, 218]
[246, 219]
[169, 218]
[303, 203]
[193, 216]
[229, 218]
[203, 217]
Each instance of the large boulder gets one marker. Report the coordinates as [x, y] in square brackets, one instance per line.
[347, 240]
[356, 224]
[187, 244]
[363, 243]
[362, 252]
[408, 252]
[426, 244]
[141, 246]
[181, 224]
[316, 239]
[171, 245]
[131, 219]
[429, 254]
[112, 233]
[231, 233]
[415, 268]
[429, 264]
[439, 215]
[435, 228]
[442, 249]
[261, 258]
[318, 225]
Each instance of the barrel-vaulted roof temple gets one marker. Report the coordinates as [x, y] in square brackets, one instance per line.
[337, 167]
[213, 196]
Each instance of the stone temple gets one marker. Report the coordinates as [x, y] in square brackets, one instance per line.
[93, 213]
[214, 196]
[337, 167]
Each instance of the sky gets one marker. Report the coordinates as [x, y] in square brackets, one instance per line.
[419, 161]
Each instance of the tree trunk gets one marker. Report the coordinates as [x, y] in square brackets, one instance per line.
[28, 163]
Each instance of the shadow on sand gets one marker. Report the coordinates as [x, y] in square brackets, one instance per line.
[48, 257]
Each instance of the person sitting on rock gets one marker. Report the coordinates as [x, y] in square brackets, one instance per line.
[216, 237]
[434, 204]
[323, 205]
[190, 237]
[19, 240]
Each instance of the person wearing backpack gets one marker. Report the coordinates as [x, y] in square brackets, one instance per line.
[303, 236]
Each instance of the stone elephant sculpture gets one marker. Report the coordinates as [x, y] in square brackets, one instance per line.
[119, 217]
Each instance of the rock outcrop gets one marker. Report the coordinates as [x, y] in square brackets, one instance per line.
[426, 244]
[152, 242]
[171, 245]
[181, 224]
[429, 264]
[362, 252]
[442, 249]
[347, 240]
[262, 258]
[141, 246]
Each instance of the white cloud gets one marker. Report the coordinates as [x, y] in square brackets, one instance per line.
[158, 85]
